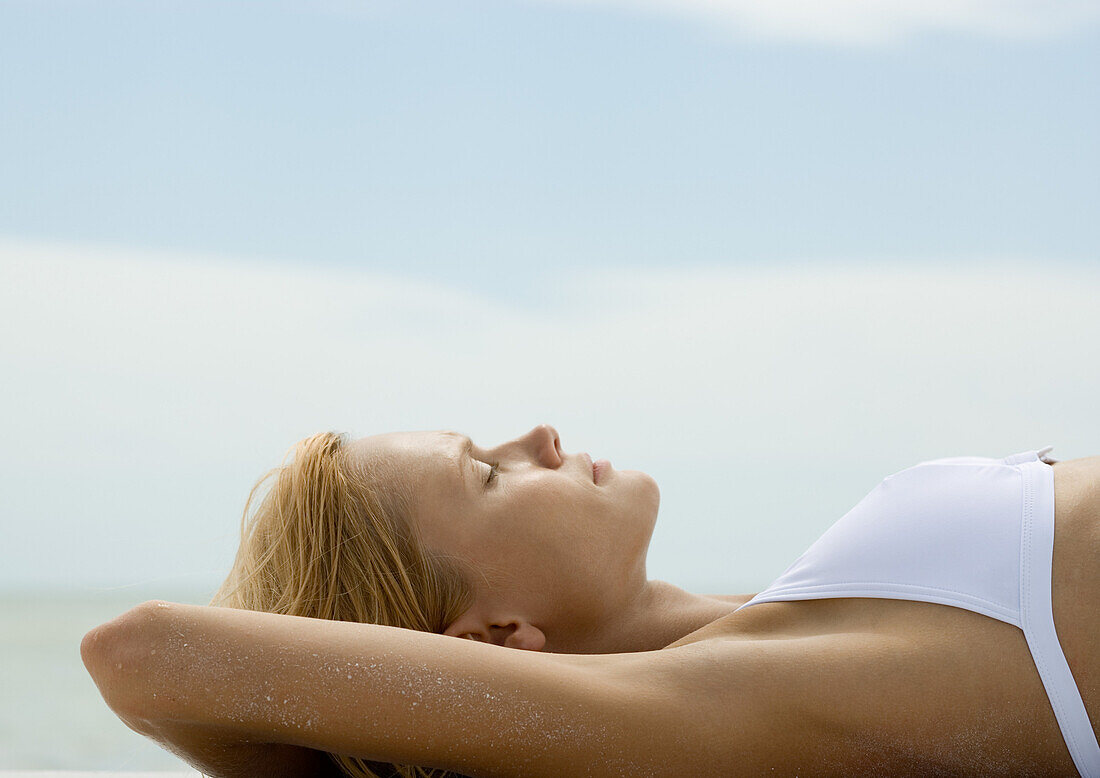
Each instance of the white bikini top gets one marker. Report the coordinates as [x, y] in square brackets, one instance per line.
[945, 531]
[971, 532]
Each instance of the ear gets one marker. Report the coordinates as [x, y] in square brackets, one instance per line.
[523, 635]
[516, 633]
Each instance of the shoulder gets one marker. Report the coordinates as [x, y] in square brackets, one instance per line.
[1077, 484]
[1075, 585]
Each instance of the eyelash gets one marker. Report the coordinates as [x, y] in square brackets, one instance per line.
[493, 472]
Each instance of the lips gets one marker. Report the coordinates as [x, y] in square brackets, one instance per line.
[600, 468]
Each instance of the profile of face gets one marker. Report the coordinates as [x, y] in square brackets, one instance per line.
[558, 542]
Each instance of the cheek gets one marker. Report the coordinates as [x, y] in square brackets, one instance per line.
[554, 529]
[562, 524]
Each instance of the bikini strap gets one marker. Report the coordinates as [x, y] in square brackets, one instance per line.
[1041, 455]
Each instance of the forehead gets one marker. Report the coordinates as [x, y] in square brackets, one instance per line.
[430, 460]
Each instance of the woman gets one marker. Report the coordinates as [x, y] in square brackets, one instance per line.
[916, 637]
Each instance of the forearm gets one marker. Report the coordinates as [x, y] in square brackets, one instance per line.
[377, 693]
[220, 754]
[118, 657]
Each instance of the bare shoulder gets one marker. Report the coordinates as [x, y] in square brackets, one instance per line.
[1076, 577]
[1077, 485]
[395, 695]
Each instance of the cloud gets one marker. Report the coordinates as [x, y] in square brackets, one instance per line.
[873, 21]
[144, 392]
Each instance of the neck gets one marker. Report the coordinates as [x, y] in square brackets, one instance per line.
[658, 616]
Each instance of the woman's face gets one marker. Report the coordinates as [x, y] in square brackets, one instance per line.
[553, 545]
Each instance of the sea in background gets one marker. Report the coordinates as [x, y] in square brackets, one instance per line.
[51, 714]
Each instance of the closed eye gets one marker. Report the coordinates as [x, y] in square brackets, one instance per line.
[494, 471]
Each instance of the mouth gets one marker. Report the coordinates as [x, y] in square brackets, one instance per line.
[600, 468]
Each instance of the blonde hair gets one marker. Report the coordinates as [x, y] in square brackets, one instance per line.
[331, 539]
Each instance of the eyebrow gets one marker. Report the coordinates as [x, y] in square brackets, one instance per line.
[465, 459]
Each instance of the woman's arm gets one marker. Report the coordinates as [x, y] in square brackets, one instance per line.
[394, 695]
[109, 653]
[221, 754]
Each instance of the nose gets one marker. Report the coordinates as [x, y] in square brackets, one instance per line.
[545, 444]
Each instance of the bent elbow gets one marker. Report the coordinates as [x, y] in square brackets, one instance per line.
[116, 655]
[93, 648]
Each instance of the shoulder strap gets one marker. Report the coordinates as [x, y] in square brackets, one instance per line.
[1041, 455]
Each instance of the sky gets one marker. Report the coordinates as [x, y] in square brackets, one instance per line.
[768, 252]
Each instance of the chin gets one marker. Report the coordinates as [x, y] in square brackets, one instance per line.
[645, 487]
[643, 476]
[645, 499]
[656, 491]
